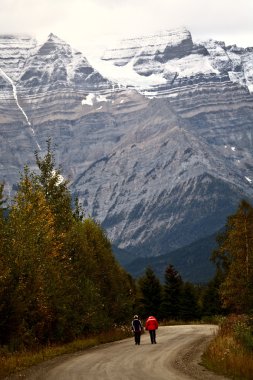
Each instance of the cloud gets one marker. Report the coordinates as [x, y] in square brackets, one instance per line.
[92, 22]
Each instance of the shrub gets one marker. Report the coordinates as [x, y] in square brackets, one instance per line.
[230, 353]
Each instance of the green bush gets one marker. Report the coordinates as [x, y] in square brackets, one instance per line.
[243, 331]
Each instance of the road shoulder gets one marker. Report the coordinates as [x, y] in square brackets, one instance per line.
[189, 361]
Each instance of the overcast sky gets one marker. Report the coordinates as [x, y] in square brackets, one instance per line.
[88, 24]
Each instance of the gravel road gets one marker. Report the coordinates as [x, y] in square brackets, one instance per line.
[176, 356]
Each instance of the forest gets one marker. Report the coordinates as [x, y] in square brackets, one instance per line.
[58, 276]
[59, 279]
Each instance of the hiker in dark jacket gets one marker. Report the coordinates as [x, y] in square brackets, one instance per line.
[137, 327]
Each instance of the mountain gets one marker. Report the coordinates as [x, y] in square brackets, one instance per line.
[170, 60]
[156, 138]
[163, 186]
[42, 91]
[192, 262]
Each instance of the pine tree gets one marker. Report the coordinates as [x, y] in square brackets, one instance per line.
[172, 294]
[189, 310]
[55, 189]
[150, 294]
[211, 302]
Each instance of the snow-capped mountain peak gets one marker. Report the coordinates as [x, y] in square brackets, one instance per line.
[167, 58]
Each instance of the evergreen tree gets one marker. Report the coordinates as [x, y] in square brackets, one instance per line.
[78, 212]
[211, 302]
[55, 189]
[150, 294]
[189, 309]
[172, 294]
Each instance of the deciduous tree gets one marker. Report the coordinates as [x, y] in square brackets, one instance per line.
[235, 256]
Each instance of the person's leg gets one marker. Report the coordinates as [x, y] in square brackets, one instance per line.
[154, 337]
[138, 338]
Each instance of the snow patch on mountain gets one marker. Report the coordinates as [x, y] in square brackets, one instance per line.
[59, 177]
[159, 62]
[91, 99]
[248, 70]
[190, 65]
[126, 75]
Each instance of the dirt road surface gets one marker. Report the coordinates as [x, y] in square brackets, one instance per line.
[176, 356]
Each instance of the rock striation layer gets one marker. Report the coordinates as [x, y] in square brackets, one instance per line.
[175, 61]
[164, 185]
[42, 89]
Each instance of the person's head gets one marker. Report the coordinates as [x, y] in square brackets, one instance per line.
[136, 317]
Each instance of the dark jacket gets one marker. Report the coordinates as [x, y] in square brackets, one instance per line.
[136, 325]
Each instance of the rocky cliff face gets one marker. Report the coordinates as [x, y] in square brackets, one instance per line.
[149, 54]
[164, 185]
[175, 61]
[42, 89]
[160, 161]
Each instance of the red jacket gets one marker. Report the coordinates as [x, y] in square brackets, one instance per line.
[151, 323]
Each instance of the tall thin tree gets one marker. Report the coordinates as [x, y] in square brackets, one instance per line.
[172, 293]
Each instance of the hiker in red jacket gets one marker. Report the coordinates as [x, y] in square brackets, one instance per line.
[152, 325]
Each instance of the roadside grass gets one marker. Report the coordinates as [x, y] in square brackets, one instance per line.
[11, 363]
[215, 320]
[231, 351]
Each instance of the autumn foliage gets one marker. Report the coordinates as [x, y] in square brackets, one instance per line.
[234, 258]
[58, 276]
